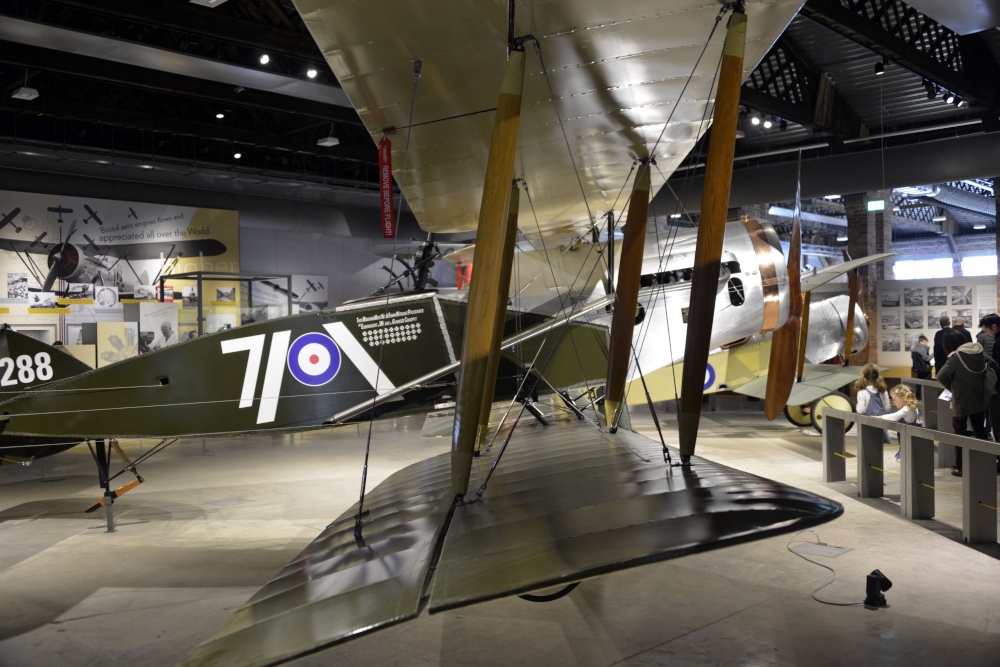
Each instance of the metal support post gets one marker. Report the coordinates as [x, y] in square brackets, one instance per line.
[869, 454]
[917, 454]
[979, 488]
[834, 466]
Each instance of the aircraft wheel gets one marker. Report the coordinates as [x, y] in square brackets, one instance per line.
[799, 415]
[835, 400]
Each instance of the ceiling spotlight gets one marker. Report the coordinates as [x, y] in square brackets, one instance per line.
[879, 69]
[783, 124]
[237, 155]
[767, 123]
[328, 141]
[841, 239]
[311, 73]
[220, 115]
[980, 226]
[265, 59]
[959, 102]
[949, 98]
[675, 216]
[931, 89]
[755, 120]
[831, 197]
[938, 218]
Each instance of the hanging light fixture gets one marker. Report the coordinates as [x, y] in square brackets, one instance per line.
[767, 123]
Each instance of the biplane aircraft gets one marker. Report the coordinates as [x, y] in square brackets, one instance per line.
[620, 90]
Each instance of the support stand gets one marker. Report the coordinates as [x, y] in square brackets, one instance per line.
[102, 456]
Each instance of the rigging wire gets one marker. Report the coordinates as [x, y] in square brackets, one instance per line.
[358, 524]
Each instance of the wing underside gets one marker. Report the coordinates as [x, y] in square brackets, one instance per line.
[566, 503]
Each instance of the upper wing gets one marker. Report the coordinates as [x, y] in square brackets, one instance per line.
[134, 251]
[617, 71]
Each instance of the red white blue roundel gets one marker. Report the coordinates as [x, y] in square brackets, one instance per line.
[314, 359]
[709, 376]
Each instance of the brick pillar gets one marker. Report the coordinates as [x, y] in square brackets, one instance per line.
[869, 233]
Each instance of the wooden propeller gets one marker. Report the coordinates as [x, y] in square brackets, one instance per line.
[785, 341]
[854, 288]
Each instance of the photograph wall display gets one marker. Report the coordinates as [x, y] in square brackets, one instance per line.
[189, 297]
[157, 326]
[925, 302]
[913, 296]
[225, 294]
[80, 292]
[106, 297]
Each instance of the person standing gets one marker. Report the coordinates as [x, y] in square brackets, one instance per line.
[991, 326]
[964, 375]
[960, 326]
[921, 358]
[939, 354]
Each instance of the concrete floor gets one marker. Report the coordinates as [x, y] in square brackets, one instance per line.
[207, 529]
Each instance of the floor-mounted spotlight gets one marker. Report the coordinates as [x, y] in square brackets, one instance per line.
[877, 584]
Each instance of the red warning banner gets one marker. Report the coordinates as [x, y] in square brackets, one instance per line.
[385, 188]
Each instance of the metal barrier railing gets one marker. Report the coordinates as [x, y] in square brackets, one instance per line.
[916, 489]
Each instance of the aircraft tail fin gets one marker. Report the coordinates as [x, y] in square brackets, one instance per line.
[26, 363]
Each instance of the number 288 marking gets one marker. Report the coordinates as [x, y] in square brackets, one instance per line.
[26, 368]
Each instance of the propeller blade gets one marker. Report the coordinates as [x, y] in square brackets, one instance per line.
[785, 341]
[854, 288]
[53, 273]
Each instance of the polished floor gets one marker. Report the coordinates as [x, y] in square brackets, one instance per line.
[214, 522]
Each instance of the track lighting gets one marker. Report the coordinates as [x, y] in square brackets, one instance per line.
[949, 98]
[767, 123]
[755, 120]
[783, 124]
[879, 69]
[931, 89]
[237, 156]
[265, 59]
[311, 73]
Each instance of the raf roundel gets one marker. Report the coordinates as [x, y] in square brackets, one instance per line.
[313, 359]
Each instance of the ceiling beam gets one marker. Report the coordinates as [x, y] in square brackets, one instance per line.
[132, 76]
[213, 23]
[935, 63]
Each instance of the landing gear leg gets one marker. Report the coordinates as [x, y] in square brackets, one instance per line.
[101, 452]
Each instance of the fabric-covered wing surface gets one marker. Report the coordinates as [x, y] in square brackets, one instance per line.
[567, 502]
[617, 70]
[818, 380]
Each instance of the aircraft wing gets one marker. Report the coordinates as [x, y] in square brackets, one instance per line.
[564, 505]
[819, 278]
[818, 380]
[617, 72]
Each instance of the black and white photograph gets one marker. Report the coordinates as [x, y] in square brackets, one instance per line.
[961, 295]
[145, 292]
[81, 291]
[909, 340]
[43, 300]
[17, 285]
[934, 317]
[966, 314]
[890, 320]
[890, 342]
[190, 297]
[913, 319]
[106, 296]
[913, 296]
[983, 312]
[937, 296]
[890, 297]
[225, 294]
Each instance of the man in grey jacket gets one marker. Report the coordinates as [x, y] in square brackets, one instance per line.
[964, 375]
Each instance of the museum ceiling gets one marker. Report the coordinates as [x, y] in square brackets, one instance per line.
[175, 92]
